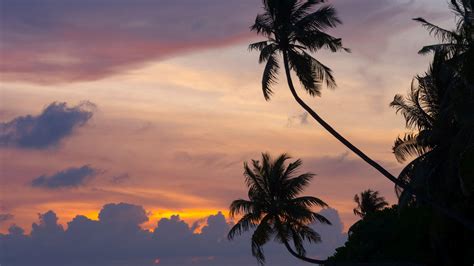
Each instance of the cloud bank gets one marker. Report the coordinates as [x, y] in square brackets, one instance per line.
[50, 41]
[55, 123]
[117, 239]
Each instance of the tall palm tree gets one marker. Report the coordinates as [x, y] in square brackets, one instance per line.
[294, 29]
[274, 208]
[368, 202]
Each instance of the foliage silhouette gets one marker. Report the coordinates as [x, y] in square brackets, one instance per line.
[439, 114]
[294, 29]
[274, 208]
[368, 202]
[388, 236]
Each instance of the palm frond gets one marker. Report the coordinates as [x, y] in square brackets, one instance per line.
[309, 201]
[261, 235]
[323, 71]
[245, 223]
[304, 8]
[306, 72]
[296, 185]
[316, 40]
[414, 115]
[323, 18]
[253, 181]
[263, 24]
[267, 52]
[408, 146]
[291, 169]
[241, 206]
[258, 45]
[438, 32]
[269, 76]
[436, 48]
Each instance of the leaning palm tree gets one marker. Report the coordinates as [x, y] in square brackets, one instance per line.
[274, 208]
[368, 202]
[294, 29]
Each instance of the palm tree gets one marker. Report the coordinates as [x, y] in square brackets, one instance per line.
[429, 116]
[438, 111]
[274, 208]
[294, 29]
[368, 202]
[457, 44]
[437, 138]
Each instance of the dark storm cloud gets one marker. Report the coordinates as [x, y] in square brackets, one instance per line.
[56, 122]
[48, 41]
[117, 239]
[69, 178]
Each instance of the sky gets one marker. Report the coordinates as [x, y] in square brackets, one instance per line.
[146, 111]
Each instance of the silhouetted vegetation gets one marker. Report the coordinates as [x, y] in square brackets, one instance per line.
[433, 221]
[368, 202]
[388, 236]
[274, 209]
[293, 29]
[439, 112]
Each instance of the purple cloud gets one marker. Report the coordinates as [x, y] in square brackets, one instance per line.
[56, 122]
[69, 178]
[117, 239]
[56, 41]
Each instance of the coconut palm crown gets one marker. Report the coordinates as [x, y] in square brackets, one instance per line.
[274, 209]
[294, 28]
[368, 202]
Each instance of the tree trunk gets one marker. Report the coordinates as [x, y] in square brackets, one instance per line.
[367, 159]
[315, 261]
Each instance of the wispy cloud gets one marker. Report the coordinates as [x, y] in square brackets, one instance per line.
[69, 178]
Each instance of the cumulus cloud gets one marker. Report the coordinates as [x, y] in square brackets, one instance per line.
[69, 178]
[56, 122]
[117, 239]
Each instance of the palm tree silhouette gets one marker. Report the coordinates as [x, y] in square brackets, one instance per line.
[274, 209]
[293, 29]
[438, 111]
[368, 202]
[457, 44]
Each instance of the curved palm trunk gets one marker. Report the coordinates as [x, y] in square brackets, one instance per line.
[315, 261]
[367, 159]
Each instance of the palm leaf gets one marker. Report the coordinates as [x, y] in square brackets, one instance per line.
[408, 146]
[269, 76]
[438, 32]
[258, 46]
[245, 223]
[241, 206]
[304, 68]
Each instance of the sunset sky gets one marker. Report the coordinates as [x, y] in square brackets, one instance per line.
[163, 104]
